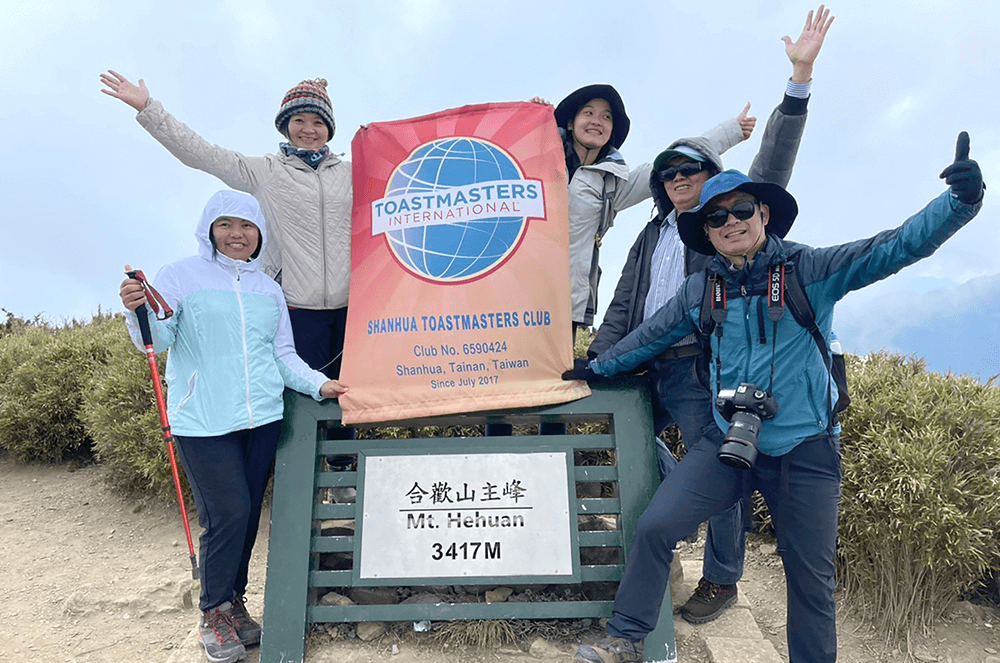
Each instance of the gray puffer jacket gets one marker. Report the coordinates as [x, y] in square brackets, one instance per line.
[308, 212]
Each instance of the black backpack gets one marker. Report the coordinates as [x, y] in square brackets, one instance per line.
[798, 303]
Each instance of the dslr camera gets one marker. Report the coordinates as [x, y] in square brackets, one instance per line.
[744, 408]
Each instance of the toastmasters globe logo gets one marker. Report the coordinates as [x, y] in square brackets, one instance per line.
[456, 209]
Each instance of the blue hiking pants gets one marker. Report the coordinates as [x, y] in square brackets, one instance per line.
[228, 475]
[802, 489]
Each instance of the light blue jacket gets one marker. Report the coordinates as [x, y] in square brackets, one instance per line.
[800, 376]
[230, 349]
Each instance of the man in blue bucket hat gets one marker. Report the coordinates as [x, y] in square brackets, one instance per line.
[654, 270]
[775, 430]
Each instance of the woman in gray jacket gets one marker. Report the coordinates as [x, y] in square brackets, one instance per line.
[304, 193]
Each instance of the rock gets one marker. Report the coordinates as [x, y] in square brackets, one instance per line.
[158, 589]
[423, 598]
[370, 630]
[336, 561]
[498, 595]
[676, 572]
[337, 528]
[976, 613]
[768, 549]
[333, 598]
[374, 595]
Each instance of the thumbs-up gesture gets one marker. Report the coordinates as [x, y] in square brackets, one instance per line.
[964, 176]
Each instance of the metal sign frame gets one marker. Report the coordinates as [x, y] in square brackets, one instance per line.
[295, 582]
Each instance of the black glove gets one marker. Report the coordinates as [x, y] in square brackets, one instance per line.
[964, 176]
[581, 371]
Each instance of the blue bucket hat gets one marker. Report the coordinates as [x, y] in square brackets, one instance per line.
[568, 108]
[782, 206]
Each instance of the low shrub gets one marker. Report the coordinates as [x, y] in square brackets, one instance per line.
[45, 372]
[119, 410]
[920, 507]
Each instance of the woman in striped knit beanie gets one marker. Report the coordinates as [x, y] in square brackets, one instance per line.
[304, 192]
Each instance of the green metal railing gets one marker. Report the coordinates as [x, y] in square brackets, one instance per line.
[622, 486]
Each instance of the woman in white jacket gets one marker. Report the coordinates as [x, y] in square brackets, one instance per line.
[230, 358]
[304, 193]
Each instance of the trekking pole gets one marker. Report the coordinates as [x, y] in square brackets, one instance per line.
[147, 340]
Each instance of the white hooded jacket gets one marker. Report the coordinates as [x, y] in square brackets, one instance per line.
[230, 344]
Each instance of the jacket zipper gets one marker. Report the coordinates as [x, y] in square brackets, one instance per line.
[322, 235]
[747, 329]
[246, 353]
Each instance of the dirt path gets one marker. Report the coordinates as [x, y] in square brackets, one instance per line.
[86, 577]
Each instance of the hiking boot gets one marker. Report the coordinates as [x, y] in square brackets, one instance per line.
[246, 628]
[708, 602]
[611, 650]
[218, 637]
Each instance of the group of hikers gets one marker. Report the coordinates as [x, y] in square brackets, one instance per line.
[695, 307]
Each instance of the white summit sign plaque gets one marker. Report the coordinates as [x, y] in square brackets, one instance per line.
[457, 515]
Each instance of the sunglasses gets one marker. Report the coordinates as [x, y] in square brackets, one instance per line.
[687, 169]
[742, 211]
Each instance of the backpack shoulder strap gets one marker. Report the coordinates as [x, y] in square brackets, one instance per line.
[607, 206]
[802, 310]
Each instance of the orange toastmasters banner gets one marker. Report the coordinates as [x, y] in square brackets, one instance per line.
[459, 266]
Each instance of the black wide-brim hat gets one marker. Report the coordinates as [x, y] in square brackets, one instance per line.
[782, 206]
[568, 108]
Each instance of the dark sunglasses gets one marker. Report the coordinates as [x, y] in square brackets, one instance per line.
[687, 169]
[742, 211]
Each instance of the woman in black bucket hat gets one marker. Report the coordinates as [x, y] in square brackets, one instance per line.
[593, 125]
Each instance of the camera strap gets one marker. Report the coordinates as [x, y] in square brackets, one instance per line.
[775, 311]
[717, 304]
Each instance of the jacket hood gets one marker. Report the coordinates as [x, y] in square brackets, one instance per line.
[234, 204]
[703, 145]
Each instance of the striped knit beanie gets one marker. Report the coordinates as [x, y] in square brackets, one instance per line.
[306, 97]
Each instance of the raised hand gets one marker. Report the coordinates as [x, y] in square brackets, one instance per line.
[803, 51]
[747, 124]
[964, 176]
[119, 87]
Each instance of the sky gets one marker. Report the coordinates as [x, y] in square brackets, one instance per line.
[84, 189]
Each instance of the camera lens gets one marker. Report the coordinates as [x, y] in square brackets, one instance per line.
[739, 448]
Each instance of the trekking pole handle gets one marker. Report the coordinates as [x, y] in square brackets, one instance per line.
[143, 317]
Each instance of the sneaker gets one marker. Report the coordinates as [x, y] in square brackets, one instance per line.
[246, 628]
[218, 637]
[708, 602]
[611, 650]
